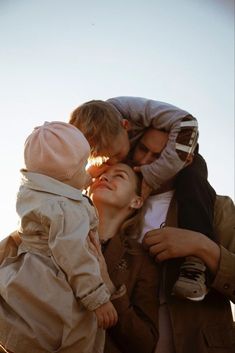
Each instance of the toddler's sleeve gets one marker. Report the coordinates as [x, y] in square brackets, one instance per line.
[68, 242]
[182, 141]
[182, 128]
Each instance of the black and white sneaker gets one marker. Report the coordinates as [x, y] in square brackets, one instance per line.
[191, 283]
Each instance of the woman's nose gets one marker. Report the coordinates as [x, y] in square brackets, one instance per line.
[104, 177]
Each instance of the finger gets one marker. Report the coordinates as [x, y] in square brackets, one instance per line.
[103, 168]
[162, 256]
[115, 317]
[155, 233]
[106, 321]
[152, 232]
[151, 240]
[157, 248]
[96, 170]
[100, 321]
[105, 165]
[112, 318]
[136, 169]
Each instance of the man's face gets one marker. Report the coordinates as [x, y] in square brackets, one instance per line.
[150, 147]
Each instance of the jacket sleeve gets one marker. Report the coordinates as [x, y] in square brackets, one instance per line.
[68, 233]
[182, 128]
[9, 246]
[136, 330]
[224, 282]
[224, 226]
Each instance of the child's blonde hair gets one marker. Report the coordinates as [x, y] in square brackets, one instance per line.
[99, 121]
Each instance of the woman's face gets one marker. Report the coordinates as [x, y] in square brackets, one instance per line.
[116, 187]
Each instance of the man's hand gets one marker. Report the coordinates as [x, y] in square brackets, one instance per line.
[169, 242]
[106, 315]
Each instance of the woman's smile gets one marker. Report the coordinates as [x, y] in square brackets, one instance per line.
[101, 184]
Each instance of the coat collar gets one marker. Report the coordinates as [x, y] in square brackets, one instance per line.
[44, 183]
[115, 252]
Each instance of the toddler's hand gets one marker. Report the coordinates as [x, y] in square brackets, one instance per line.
[96, 170]
[106, 315]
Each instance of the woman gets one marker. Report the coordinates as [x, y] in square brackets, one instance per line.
[116, 197]
[132, 277]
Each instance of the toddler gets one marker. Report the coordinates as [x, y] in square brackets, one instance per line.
[52, 295]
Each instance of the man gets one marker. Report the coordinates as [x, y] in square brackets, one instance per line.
[186, 326]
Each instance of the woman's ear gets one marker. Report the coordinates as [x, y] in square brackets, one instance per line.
[136, 202]
[126, 124]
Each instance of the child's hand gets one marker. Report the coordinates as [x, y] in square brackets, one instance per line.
[96, 170]
[106, 315]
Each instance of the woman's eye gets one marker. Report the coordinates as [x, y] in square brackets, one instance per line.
[120, 175]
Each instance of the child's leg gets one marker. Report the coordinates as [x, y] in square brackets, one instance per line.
[196, 199]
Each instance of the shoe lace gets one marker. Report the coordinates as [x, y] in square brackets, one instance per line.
[190, 273]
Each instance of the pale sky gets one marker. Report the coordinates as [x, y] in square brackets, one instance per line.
[55, 55]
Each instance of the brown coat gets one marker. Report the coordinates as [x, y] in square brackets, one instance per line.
[206, 326]
[136, 330]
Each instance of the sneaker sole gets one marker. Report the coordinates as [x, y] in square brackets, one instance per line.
[196, 299]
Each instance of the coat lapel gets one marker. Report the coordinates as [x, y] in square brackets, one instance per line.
[113, 253]
[171, 267]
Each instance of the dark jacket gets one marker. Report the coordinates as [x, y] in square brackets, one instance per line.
[206, 326]
[136, 330]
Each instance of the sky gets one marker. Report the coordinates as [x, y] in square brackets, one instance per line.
[55, 55]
